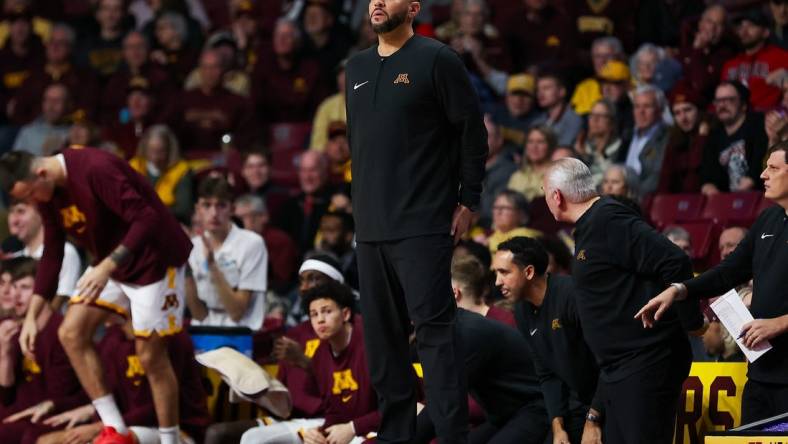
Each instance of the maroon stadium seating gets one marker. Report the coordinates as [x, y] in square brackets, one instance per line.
[668, 209]
[724, 207]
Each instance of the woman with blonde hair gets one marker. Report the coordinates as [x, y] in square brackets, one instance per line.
[159, 159]
[540, 141]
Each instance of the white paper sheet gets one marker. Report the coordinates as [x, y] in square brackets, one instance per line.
[734, 314]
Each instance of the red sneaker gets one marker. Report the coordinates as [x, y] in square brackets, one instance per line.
[110, 436]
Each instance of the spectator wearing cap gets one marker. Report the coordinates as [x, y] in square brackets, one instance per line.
[498, 169]
[735, 150]
[644, 146]
[159, 160]
[615, 82]
[779, 30]
[332, 109]
[171, 48]
[139, 108]
[100, 48]
[135, 67]
[703, 55]
[589, 91]
[757, 65]
[19, 57]
[58, 68]
[540, 35]
[687, 137]
[287, 86]
[598, 147]
[326, 41]
[551, 94]
[234, 79]
[46, 134]
[517, 113]
[283, 253]
[300, 215]
[229, 265]
[338, 154]
[203, 115]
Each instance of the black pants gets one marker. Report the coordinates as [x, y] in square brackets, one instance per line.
[403, 282]
[760, 401]
[641, 408]
[527, 426]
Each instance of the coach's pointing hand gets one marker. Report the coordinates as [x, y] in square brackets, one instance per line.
[653, 310]
[461, 222]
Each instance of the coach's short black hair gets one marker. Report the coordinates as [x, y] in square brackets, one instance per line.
[15, 166]
[215, 187]
[527, 251]
[780, 146]
[339, 293]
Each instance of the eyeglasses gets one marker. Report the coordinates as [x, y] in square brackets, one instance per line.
[722, 100]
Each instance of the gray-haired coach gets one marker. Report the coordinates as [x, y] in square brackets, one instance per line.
[418, 147]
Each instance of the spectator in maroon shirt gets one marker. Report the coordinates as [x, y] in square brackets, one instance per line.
[340, 369]
[541, 36]
[300, 215]
[140, 104]
[99, 48]
[684, 152]
[134, 64]
[603, 19]
[171, 48]
[203, 115]
[58, 68]
[287, 87]
[471, 284]
[19, 57]
[702, 58]
[762, 66]
[32, 387]
[282, 251]
[252, 33]
[6, 295]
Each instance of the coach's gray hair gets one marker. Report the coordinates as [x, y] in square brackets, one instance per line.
[256, 203]
[572, 178]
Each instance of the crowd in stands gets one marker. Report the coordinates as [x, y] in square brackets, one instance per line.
[234, 110]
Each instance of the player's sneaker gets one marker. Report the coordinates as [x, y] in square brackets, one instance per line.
[110, 436]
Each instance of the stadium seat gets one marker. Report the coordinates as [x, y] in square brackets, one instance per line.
[723, 207]
[668, 209]
[284, 136]
[284, 169]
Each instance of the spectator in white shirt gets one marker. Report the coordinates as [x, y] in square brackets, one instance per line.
[229, 265]
[24, 222]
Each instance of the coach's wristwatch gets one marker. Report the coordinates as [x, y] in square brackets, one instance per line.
[596, 419]
[682, 289]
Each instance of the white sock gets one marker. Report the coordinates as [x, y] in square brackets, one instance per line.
[169, 435]
[109, 413]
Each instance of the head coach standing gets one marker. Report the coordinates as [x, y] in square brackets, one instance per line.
[418, 146]
[761, 256]
[620, 263]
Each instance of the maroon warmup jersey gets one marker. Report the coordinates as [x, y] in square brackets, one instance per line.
[104, 204]
[126, 378]
[47, 376]
[302, 386]
[345, 385]
[501, 315]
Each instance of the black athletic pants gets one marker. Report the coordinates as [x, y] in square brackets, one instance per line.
[527, 426]
[641, 408]
[403, 282]
[761, 400]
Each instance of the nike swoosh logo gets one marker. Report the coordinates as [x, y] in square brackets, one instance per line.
[346, 398]
[533, 332]
[359, 85]
[764, 235]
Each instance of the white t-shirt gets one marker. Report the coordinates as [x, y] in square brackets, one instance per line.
[243, 259]
[70, 270]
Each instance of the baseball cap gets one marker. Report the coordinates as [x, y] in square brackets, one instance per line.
[614, 71]
[521, 83]
[682, 93]
[755, 16]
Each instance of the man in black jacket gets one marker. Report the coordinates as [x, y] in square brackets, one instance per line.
[546, 315]
[418, 148]
[620, 263]
[760, 256]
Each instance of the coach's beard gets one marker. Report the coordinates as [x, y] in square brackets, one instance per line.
[390, 24]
